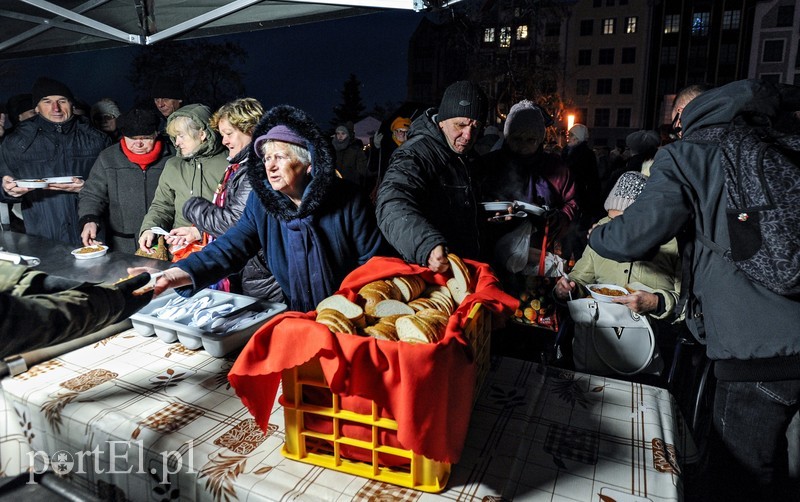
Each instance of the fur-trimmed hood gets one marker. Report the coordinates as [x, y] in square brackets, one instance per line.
[322, 166]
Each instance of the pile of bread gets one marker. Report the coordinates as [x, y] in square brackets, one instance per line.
[403, 308]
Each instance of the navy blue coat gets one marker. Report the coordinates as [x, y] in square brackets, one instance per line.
[341, 216]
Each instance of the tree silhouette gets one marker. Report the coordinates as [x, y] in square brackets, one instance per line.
[209, 71]
[352, 108]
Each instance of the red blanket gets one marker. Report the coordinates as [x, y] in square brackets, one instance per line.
[427, 388]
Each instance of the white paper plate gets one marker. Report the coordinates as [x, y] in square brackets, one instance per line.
[32, 183]
[501, 206]
[605, 298]
[61, 179]
[93, 254]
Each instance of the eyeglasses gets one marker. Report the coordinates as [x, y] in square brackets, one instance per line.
[676, 128]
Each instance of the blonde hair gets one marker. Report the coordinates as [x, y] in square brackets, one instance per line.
[243, 114]
[186, 124]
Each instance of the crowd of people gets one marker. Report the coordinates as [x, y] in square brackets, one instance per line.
[263, 201]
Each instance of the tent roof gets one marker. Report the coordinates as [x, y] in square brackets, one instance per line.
[40, 27]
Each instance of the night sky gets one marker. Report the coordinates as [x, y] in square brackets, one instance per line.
[317, 58]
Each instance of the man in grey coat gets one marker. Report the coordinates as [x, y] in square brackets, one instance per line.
[751, 333]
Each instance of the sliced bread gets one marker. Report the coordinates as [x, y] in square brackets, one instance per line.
[336, 321]
[410, 286]
[391, 307]
[351, 310]
[460, 272]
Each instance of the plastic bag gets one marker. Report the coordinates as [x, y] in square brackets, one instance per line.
[512, 249]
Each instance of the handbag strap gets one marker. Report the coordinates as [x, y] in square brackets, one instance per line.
[544, 248]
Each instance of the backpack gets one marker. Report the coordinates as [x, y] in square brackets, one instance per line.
[762, 202]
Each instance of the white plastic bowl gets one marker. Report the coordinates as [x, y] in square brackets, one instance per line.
[606, 298]
[79, 255]
[60, 179]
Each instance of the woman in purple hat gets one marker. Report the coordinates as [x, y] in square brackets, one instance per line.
[314, 228]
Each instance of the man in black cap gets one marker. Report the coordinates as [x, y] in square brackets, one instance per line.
[54, 144]
[426, 206]
[167, 94]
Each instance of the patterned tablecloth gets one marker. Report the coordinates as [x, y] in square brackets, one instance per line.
[135, 417]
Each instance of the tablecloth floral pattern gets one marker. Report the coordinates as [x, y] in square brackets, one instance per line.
[133, 418]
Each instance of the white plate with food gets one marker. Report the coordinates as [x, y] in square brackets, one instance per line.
[529, 208]
[89, 252]
[61, 179]
[606, 292]
[501, 206]
[37, 183]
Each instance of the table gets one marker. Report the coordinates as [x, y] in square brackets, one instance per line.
[150, 420]
[56, 259]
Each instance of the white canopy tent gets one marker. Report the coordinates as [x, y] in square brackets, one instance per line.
[39, 27]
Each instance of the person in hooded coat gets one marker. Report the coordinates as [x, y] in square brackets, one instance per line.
[314, 227]
[195, 171]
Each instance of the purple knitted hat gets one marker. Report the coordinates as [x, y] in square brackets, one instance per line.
[280, 133]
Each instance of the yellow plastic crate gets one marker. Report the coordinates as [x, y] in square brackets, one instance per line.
[325, 450]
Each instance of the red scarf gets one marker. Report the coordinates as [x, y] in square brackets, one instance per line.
[143, 160]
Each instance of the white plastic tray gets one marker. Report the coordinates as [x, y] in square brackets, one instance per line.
[215, 343]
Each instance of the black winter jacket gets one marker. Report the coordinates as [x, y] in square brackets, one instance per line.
[38, 149]
[427, 197]
[117, 195]
[751, 332]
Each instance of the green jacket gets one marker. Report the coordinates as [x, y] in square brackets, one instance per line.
[197, 175]
[37, 309]
[662, 273]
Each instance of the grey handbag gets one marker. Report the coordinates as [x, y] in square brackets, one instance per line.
[611, 338]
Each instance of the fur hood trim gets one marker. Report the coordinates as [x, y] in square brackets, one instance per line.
[322, 168]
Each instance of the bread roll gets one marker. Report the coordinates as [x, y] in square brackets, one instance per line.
[391, 307]
[410, 286]
[383, 331]
[416, 329]
[377, 291]
[460, 272]
[351, 310]
[336, 321]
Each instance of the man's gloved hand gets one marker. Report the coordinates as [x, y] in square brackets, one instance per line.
[134, 300]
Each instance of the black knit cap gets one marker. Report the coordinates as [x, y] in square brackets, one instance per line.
[45, 86]
[138, 122]
[166, 86]
[463, 99]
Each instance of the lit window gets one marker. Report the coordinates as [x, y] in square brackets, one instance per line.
[505, 36]
[700, 23]
[672, 23]
[609, 26]
[731, 19]
[630, 24]
[522, 32]
[488, 35]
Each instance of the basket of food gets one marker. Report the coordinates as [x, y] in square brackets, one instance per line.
[357, 373]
